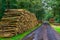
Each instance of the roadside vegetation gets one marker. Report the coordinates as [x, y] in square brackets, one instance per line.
[56, 28]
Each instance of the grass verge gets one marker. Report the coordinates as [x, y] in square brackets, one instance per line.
[57, 28]
[21, 36]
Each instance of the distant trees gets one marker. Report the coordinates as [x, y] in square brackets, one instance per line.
[35, 6]
[11, 4]
[56, 11]
[2, 8]
[4, 4]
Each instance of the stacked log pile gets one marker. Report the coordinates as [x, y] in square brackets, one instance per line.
[16, 21]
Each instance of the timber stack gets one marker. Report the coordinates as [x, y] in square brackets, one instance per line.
[16, 21]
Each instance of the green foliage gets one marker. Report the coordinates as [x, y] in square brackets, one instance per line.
[56, 10]
[11, 4]
[41, 10]
[2, 8]
[33, 6]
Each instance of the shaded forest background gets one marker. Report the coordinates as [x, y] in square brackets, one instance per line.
[43, 9]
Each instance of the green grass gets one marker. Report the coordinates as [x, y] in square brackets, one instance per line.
[56, 28]
[20, 36]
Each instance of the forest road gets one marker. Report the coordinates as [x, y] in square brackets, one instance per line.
[44, 32]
